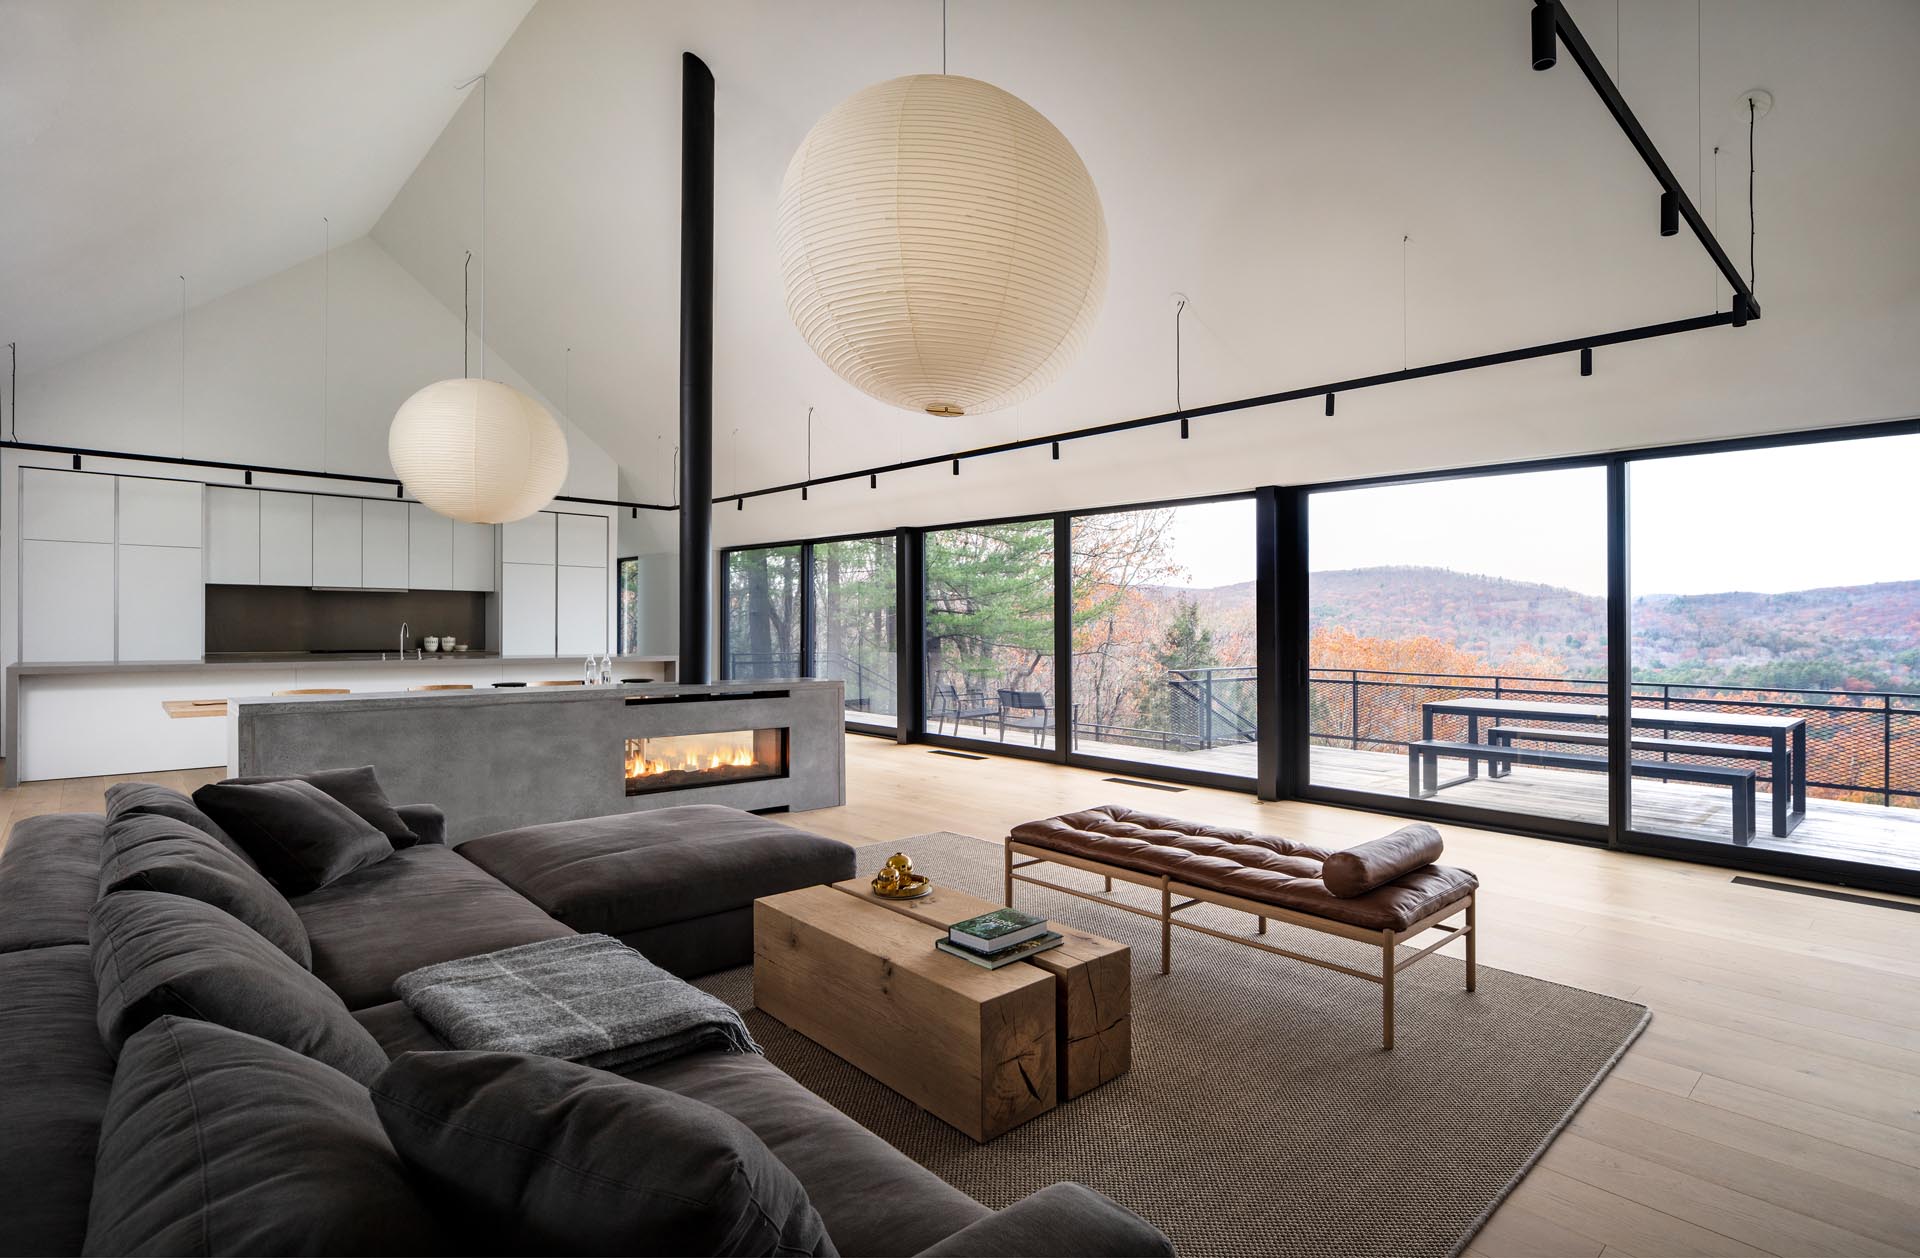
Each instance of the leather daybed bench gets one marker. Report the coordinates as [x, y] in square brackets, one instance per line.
[1382, 892]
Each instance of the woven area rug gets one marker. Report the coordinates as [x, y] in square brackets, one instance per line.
[1261, 1115]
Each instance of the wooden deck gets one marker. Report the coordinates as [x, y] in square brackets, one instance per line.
[1868, 833]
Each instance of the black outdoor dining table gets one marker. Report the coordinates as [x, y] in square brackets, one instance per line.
[1786, 735]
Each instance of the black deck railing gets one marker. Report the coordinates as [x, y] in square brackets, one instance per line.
[1863, 743]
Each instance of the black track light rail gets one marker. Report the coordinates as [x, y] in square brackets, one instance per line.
[1550, 19]
[79, 453]
[1609, 93]
[1547, 350]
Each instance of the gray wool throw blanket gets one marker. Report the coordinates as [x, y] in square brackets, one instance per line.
[586, 998]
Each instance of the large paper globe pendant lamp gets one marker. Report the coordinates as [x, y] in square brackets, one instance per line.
[477, 451]
[942, 244]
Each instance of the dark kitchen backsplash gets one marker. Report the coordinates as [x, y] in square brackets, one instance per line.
[290, 618]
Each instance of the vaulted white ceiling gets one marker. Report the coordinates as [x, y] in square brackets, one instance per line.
[141, 140]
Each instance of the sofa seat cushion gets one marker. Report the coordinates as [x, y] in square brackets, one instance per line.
[1261, 868]
[873, 1198]
[147, 852]
[542, 1156]
[156, 954]
[58, 1075]
[216, 1142]
[49, 879]
[398, 1029]
[422, 905]
[624, 873]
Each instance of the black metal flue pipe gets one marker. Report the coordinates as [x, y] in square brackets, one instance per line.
[696, 370]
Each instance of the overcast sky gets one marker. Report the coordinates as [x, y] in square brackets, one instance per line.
[1788, 518]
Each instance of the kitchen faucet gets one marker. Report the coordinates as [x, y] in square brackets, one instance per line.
[403, 639]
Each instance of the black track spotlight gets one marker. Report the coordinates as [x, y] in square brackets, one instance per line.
[803, 493]
[1056, 452]
[249, 476]
[636, 513]
[76, 462]
[1545, 42]
[1586, 360]
[739, 504]
[873, 481]
[1183, 429]
[399, 491]
[1740, 314]
[1329, 403]
[956, 467]
[1669, 214]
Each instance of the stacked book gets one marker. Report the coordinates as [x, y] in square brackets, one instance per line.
[999, 938]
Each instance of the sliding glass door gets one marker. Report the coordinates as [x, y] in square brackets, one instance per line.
[855, 637]
[1163, 637]
[1776, 650]
[989, 626]
[1458, 642]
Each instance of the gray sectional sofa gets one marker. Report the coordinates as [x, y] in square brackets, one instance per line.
[65, 1012]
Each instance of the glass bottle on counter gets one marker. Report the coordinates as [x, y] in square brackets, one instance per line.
[606, 669]
[592, 670]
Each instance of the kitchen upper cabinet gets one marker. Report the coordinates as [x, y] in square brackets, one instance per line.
[233, 535]
[162, 603]
[527, 609]
[429, 549]
[58, 506]
[160, 512]
[582, 540]
[472, 556]
[286, 539]
[383, 544]
[530, 540]
[66, 599]
[336, 542]
[580, 610]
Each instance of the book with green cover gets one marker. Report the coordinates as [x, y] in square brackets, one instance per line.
[1002, 928]
[1006, 956]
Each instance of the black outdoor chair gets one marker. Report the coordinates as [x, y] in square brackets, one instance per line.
[951, 705]
[1037, 714]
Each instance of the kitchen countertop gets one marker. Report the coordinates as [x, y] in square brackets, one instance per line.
[271, 660]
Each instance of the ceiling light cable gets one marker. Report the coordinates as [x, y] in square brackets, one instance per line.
[1178, 309]
[13, 387]
[466, 312]
[326, 334]
[183, 366]
[1753, 266]
[943, 36]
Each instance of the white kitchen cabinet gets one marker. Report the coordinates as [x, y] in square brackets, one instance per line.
[527, 609]
[528, 541]
[383, 544]
[162, 603]
[286, 539]
[160, 512]
[336, 542]
[472, 556]
[57, 506]
[582, 540]
[429, 549]
[66, 599]
[233, 535]
[580, 610]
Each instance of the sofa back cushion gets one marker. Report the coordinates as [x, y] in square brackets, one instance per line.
[543, 1156]
[157, 954]
[359, 789]
[301, 837]
[151, 798]
[154, 853]
[216, 1142]
[49, 879]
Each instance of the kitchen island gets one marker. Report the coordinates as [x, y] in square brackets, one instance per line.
[99, 719]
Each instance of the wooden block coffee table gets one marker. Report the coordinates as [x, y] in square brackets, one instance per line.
[979, 1049]
[1093, 995]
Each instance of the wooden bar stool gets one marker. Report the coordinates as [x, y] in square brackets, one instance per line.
[445, 685]
[316, 690]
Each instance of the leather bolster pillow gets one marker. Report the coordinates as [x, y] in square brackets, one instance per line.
[1377, 862]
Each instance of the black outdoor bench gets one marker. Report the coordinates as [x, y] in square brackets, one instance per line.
[1423, 771]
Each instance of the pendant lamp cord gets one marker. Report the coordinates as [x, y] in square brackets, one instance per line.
[13, 389]
[943, 36]
[1179, 309]
[485, 254]
[809, 443]
[183, 366]
[1753, 266]
[326, 334]
[466, 313]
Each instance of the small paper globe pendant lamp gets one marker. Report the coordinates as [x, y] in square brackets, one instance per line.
[942, 244]
[478, 451]
[475, 449]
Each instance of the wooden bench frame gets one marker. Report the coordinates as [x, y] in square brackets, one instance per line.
[1388, 941]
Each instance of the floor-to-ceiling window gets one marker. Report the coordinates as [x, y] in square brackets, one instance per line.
[1458, 645]
[1163, 636]
[763, 612]
[854, 634]
[628, 590]
[1776, 648]
[989, 633]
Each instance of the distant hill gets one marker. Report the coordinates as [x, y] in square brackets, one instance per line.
[1855, 636]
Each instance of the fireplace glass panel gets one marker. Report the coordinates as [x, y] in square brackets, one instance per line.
[677, 761]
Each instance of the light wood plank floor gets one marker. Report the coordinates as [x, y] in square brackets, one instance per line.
[1773, 1107]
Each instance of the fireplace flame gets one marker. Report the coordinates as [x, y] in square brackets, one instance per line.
[689, 753]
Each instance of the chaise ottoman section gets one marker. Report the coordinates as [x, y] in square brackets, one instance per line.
[676, 883]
